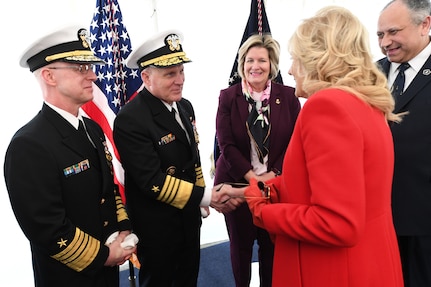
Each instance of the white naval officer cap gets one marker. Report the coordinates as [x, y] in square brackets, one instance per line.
[162, 50]
[69, 44]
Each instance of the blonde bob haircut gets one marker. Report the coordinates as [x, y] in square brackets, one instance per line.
[332, 50]
[264, 41]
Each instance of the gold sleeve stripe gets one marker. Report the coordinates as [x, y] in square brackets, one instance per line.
[121, 211]
[167, 189]
[175, 182]
[80, 253]
[199, 177]
[198, 171]
[77, 251]
[175, 192]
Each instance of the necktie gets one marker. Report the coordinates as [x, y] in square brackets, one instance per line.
[83, 131]
[398, 86]
[173, 114]
[177, 118]
[81, 128]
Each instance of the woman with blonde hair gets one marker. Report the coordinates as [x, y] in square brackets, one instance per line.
[329, 213]
[255, 119]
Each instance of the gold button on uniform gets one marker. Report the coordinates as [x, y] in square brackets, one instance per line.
[105, 223]
[102, 201]
[171, 170]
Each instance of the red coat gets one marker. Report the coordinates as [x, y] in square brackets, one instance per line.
[333, 226]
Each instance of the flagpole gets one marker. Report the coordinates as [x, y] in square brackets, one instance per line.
[257, 23]
[124, 83]
[154, 16]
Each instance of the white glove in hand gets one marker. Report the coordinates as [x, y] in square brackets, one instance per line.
[111, 238]
[130, 240]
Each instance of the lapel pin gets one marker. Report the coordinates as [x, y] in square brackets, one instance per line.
[426, 72]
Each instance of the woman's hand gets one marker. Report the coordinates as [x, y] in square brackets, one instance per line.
[226, 198]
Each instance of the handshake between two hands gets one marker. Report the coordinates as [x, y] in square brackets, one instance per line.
[227, 197]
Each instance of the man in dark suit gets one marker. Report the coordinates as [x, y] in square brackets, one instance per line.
[59, 176]
[156, 137]
[403, 34]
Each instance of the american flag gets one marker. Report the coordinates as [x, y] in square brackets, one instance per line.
[116, 84]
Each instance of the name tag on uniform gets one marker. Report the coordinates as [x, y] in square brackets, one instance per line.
[76, 168]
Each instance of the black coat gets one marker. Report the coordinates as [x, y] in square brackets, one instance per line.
[64, 198]
[411, 192]
[162, 169]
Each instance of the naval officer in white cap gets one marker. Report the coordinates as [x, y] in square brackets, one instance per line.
[157, 139]
[59, 176]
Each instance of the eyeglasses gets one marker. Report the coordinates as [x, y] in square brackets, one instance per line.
[83, 69]
[266, 190]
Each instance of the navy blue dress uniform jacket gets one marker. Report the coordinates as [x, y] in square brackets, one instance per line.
[64, 198]
[163, 177]
[411, 191]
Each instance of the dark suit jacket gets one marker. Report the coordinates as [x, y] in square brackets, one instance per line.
[161, 169]
[64, 198]
[234, 161]
[411, 196]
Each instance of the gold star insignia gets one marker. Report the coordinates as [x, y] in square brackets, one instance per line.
[155, 188]
[62, 242]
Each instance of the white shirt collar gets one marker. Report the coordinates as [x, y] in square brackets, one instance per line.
[415, 64]
[170, 107]
[74, 121]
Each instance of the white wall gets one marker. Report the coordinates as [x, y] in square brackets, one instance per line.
[213, 31]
